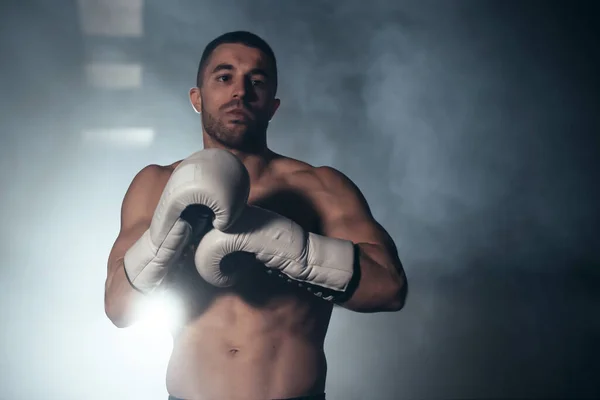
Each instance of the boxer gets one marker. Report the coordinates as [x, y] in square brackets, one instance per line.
[258, 247]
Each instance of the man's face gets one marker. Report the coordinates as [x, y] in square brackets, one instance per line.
[237, 95]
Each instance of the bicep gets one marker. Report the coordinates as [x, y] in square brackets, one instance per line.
[137, 210]
[126, 238]
[362, 230]
[355, 223]
[345, 213]
[141, 197]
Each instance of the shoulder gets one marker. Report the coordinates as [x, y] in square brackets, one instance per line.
[152, 176]
[158, 169]
[316, 180]
[152, 171]
[284, 165]
[325, 179]
[333, 178]
[327, 186]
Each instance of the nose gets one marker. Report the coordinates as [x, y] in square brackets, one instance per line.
[239, 89]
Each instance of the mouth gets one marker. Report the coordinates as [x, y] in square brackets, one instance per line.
[238, 111]
[240, 114]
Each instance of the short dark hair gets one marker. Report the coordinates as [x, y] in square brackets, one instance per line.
[242, 37]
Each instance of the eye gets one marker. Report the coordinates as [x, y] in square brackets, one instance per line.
[222, 78]
[257, 82]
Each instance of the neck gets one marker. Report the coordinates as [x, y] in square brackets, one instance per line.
[255, 160]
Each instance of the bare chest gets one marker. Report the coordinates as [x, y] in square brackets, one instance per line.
[258, 293]
[288, 201]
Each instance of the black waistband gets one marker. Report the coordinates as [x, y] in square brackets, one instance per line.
[313, 397]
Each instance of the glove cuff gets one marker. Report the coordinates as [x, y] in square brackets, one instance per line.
[332, 271]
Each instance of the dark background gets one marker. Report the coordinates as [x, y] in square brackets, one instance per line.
[471, 127]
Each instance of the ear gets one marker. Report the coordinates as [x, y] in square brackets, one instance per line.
[196, 99]
[276, 104]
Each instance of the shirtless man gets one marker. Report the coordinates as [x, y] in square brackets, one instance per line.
[216, 229]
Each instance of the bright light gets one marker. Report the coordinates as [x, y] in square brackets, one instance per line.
[114, 76]
[151, 338]
[111, 17]
[120, 137]
[162, 312]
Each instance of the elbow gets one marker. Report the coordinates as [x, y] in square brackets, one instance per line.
[394, 305]
[390, 299]
[115, 317]
[397, 297]
[115, 313]
[117, 321]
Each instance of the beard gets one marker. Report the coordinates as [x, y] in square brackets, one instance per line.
[247, 137]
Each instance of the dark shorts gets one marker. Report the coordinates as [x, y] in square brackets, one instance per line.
[313, 397]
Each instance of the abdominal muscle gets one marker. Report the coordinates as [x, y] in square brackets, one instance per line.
[270, 348]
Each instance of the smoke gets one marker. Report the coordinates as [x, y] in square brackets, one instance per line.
[473, 121]
[467, 125]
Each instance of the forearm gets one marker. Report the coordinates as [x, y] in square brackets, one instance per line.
[381, 282]
[121, 300]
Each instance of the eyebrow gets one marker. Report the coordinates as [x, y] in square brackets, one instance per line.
[222, 67]
[259, 71]
[229, 67]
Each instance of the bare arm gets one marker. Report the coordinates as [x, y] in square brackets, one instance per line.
[345, 214]
[120, 298]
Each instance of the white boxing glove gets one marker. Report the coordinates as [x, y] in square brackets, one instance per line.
[209, 187]
[283, 247]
